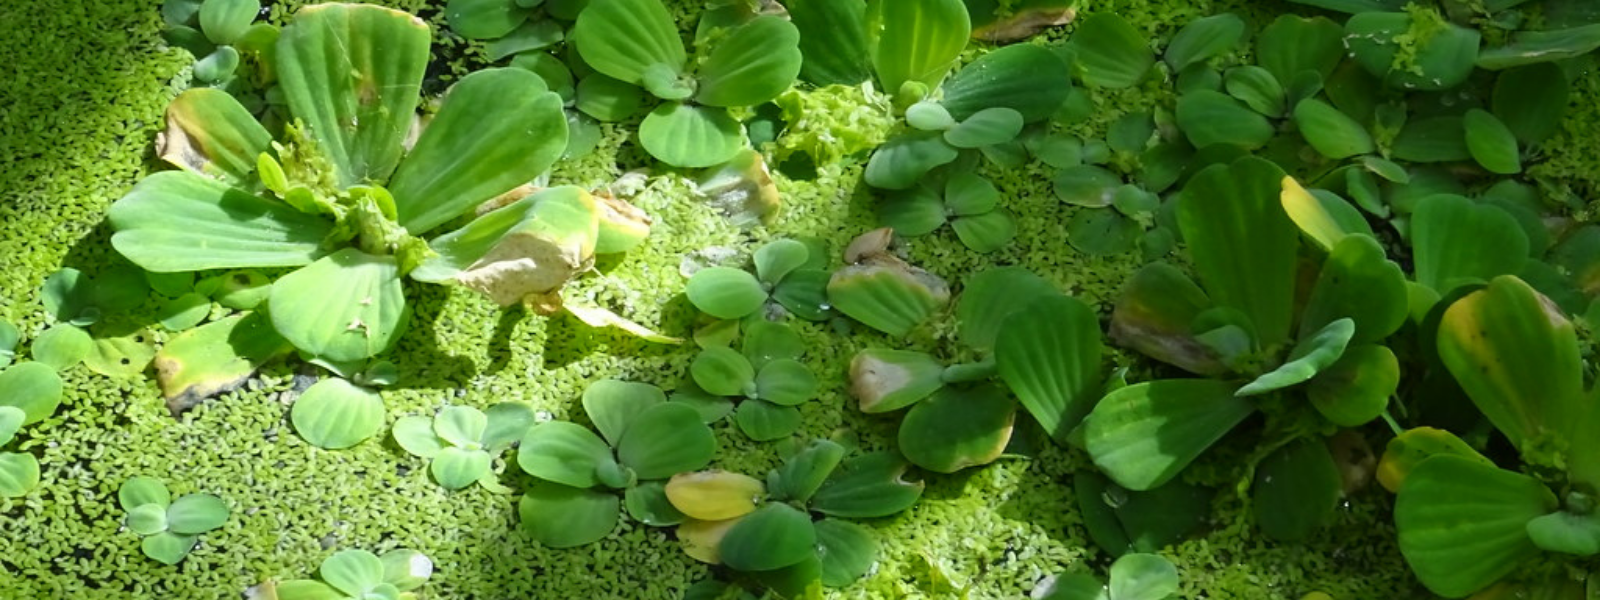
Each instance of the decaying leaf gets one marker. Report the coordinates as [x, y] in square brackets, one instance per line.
[215, 358]
[1024, 24]
[742, 190]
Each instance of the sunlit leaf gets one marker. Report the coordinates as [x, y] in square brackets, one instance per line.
[484, 19]
[750, 64]
[347, 306]
[1357, 282]
[664, 440]
[33, 387]
[335, 414]
[916, 41]
[563, 453]
[955, 429]
[1310, 356]
[1462, 524]
[902, 161]
[848, 551]
[560, 516]
[196, 513]
[690, 136]
[1009, 77]
[1154, 313]
[764, 421]
[168, 215]
[714, 495]
[833, 39]
[1143, 577]
[624, 38]
[209, 132]
[19, 474]
[867, 486]
[1144, 434]
[1242, 243]
[612, 405]
[1049, 354]
[888, 298]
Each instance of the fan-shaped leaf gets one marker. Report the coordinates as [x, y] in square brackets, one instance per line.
[1111, 52]
[1202, 39]
[764, 421]
[612, 405]
[901, 162]
[456, 468]
[867, 486]
[714, 495]
[485, 19]
[345, 307]
[691, 137]
[1293, 44]
[751, 64]
[1357, 282]
[196, 513]
[1455, 242]
[563, 453]
[772, 537]
[559, 516]
[32, 387]
[890, 298]
[209, 132]
[916, 41]
[1209, 118]
[1491, 143]
[723, 371]
[167, 215]
[1144, 434]
[19, 474]
[1049, 354]
[1462, 524]
[1330, 132]
[664, 440]
[955, 429]
[1026, 78]
[847, 550]
[335, 414]
[1531, 101]
[1242, 243]
[833, 39]
[624, 38]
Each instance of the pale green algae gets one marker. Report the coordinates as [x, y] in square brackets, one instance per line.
[81, 101]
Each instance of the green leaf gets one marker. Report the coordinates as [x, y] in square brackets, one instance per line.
[1242, 243]
[888, 298]
[1566, 533]
[462, 426]
[306, 589]
[833, 38]
[354, 572]
[955, 429]
[224, 21]
[766, 341]
[1203, 39]
[526, 39]
[664, 440]
[1292, 44]
[764, 421]
[1321, 215]
[406, 569]
[990, 297]
[1533, 47]
[167, 215]
[195, 514]
[335, 414]
[1072, 586]
[1143, 577]
[168, 548]
[1102, 232]
[1296, 489]
[1086, 185]
[986, 232]
[612, 405]
[1432, 139]
[1330, 132]
[1111, 52]
[1144, 434]
[1440, 60]
[1153, 316]
[496, 129]
[19, 474]
[690, 137]
[723, 371]
[624, 38]
[62, 346]
[1008, 77]
[866, 487]
[508, 421]
[148, 519]
[1257, 88]
[648, 504]
[563, 453]
[772, 537]
[140, 491]
[184, 312]
[484, 19]
[928, 115]
[1309, 357]
[1357, 282]
[1210, 118]
[9, 337]
[750, 64]
[903, 161]
[348, 306]
[608, 99]
[804, 293]
[1492, 144]
[456, 468]
[776, 259]
[415, 435]
[916, 41]
[1049, 354]
[1415, 445]
[1462, 524]
[1517, 357]
[33, 387]
[209, 132]
[913, 212]
[11, 419]
[803, 474]
[985, 128]
[1456, 242]
[1531, 101]
[1355, 389]
[354, 73]
[559, 516]
[786, 382]
[848, 551]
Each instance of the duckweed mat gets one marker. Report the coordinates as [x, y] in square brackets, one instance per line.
[82, 93]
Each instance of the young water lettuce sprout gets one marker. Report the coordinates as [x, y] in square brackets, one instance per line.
[462, 442]
[1240, 322]
[767, 375]
[1465, 523]
[170, 528]
[1132, 577]
[881, 290]
[788, 273]
[770, 532]
[745, 62]
[643, 440]
[220, 35]
[968, 202]
[336, 414]
[19, 472]
[358, 575]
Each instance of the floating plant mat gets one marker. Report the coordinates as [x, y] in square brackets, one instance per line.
[1077, 194]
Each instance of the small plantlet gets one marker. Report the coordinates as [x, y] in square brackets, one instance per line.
[461, 442]
[170, 527]
[1132, 577]
[789, 274]
[359, 575]
[767, 375]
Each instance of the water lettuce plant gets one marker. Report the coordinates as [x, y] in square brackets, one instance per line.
[790, 277]
[1131, 577]
[768, 530]
[311, 203]
[170, 527]
[644, 439]
[1465, 523]
[220, 34]
[359, 575]
[461, 442]
[1310, 367]
[766, 374]
[744, 62]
